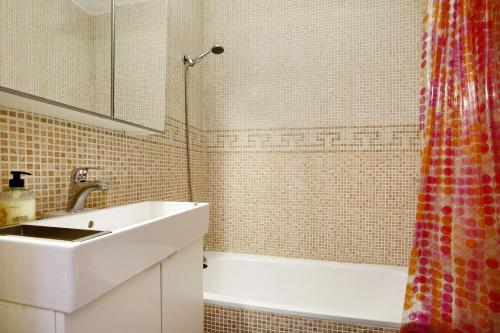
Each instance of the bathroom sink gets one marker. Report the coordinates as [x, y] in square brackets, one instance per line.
[50, 273]
[39, 231]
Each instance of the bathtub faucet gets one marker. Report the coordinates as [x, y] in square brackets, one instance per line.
[205, 262]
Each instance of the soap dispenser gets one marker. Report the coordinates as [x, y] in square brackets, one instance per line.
[17, 204]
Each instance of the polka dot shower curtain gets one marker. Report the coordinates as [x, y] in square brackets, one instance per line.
[454, 274]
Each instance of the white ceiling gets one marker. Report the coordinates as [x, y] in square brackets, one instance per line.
[98, 7]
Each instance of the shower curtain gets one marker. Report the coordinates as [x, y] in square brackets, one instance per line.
[454, 274]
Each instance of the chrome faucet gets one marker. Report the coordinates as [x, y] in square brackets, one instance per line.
[80, 188]
[205, 261]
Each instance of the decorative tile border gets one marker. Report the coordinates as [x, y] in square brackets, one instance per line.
[219, 319]
[317, 139]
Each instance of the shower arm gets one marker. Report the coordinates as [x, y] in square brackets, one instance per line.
[188, 60]
[202, 56]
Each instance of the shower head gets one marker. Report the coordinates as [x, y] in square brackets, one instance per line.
[188, 60]
[217, 49]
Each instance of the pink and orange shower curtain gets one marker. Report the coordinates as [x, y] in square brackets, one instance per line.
[454, 274]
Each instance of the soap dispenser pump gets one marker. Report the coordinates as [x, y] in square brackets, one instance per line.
[17, 204]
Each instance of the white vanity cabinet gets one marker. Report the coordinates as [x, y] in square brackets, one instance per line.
[182, 290]
[145, 275]
[165, 298]
[134, 306]
[24, 319]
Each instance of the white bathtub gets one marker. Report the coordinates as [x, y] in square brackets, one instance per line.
[362, 294]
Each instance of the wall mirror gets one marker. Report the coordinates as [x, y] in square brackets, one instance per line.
[99, 62]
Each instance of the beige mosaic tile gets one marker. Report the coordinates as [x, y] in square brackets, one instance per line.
[219, 319]
[312, 128]
[141, 62]
[47, 50]
[59, 51]
[135, 167]
[101, 64]
[300, 63]
[342, 206]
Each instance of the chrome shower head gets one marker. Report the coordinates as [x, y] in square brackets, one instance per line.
[188, 60]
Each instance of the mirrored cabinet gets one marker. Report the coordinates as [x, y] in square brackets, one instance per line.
[99, 62]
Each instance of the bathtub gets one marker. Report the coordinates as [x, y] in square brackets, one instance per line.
[353, 293]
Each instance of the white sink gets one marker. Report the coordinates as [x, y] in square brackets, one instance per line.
[64, 276]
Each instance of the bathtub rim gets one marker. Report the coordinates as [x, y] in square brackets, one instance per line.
[238, 303]
[274, 259]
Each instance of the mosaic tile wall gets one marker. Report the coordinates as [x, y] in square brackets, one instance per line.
[47, 50]
[101, 63]
[135, 168]
[141, 38]
[140, 63]
[58, 50]
[220, 319]
[311, 122]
